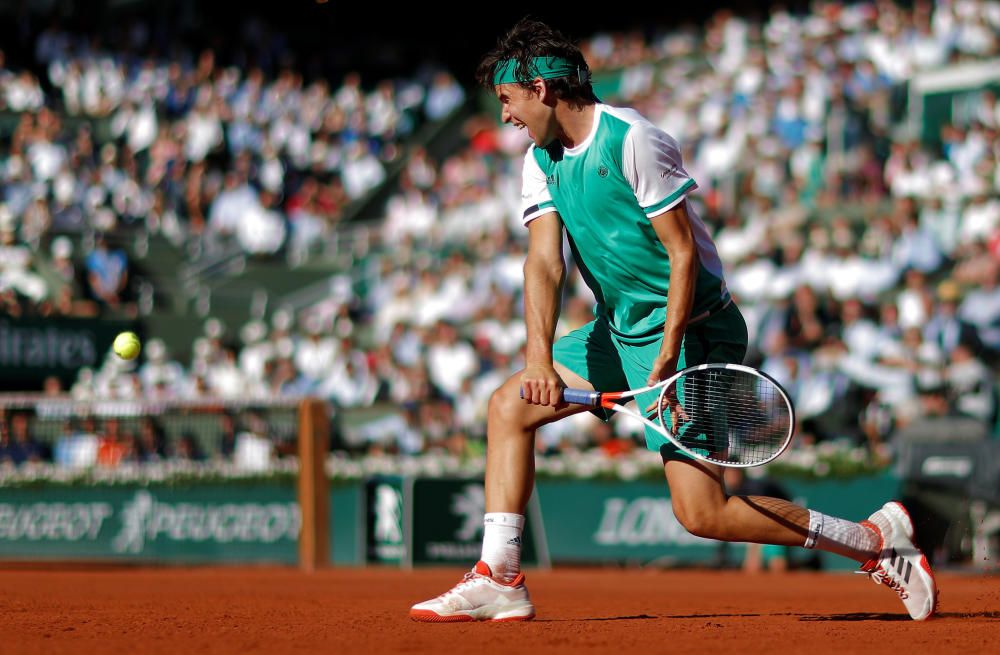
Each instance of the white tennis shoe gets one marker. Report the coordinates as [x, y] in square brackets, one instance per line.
[478, 597]
[900, 565]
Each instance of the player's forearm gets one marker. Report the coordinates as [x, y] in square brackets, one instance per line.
[674, 230]
[683, 273]
[542, 294]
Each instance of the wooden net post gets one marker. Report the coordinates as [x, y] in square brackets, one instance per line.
[314, 497]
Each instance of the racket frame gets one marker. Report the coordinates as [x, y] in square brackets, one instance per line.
[611, 400]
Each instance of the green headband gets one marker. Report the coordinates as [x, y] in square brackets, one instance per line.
[543, 67]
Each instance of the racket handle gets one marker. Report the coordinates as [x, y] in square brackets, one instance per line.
[579, 397]
[582, 397]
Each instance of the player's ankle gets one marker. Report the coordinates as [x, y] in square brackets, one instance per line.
[501, 572]
[869, 560]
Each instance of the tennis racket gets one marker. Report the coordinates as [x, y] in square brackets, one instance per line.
[725, 414]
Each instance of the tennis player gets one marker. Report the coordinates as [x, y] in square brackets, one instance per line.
[617, 185]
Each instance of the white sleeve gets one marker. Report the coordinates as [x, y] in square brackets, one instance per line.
[651, 162]
[535, 197]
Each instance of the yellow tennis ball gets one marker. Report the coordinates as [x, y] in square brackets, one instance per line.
[127, 345]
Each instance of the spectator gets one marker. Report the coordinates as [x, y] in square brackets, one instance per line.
[63, 265]
[349, 384]
[970, 385]
[450, 359]
[254, 449]
[981, 307]
[226, 380]
[187, 449]
[227, 435]
[152, 441]
[16, 274]
[443, 97]
[107, 273]
[17, 442]
[78, 445]
[111, 448]
[261, 229]
[236, 200]
[362, 171]
[945, 329]
[316, 354]
[161, 377]
[309, 222]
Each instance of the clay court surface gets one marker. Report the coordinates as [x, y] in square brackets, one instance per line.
[80, 609]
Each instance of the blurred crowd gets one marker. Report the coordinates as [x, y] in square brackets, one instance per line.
[116, 435]
[865, 259]
[213, 156]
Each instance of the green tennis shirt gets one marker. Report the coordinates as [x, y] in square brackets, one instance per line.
[606, 190]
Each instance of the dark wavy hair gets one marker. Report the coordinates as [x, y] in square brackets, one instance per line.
[531, 38]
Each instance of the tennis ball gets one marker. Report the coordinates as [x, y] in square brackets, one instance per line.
[127, 345]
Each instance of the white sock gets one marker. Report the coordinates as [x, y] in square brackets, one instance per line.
[846, 538]
[502, 544]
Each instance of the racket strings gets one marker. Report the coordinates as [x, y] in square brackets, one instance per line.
[729, 416]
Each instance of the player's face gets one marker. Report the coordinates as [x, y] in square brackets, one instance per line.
[526, 109]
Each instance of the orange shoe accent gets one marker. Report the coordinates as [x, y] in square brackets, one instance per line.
[427, 616]
[483, 569]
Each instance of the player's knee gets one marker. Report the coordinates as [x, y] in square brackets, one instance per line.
[505, 408]
[699, 520]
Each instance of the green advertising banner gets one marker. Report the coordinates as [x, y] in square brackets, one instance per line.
[436, 521]
[394, 520]
[384, 528]
[426, 521]
[633, 522]
[179, 525]
[347, 537]
[448, 523]
[614, 521]
[32, 349]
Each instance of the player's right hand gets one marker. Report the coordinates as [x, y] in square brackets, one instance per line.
[541, 385]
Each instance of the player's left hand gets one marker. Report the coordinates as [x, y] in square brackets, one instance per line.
[664, 366]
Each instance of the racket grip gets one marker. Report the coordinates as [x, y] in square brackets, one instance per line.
[582, 397]
[579, 397]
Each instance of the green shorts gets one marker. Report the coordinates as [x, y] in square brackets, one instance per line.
[611, 362]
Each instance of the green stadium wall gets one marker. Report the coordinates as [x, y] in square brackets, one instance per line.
[391, 521]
